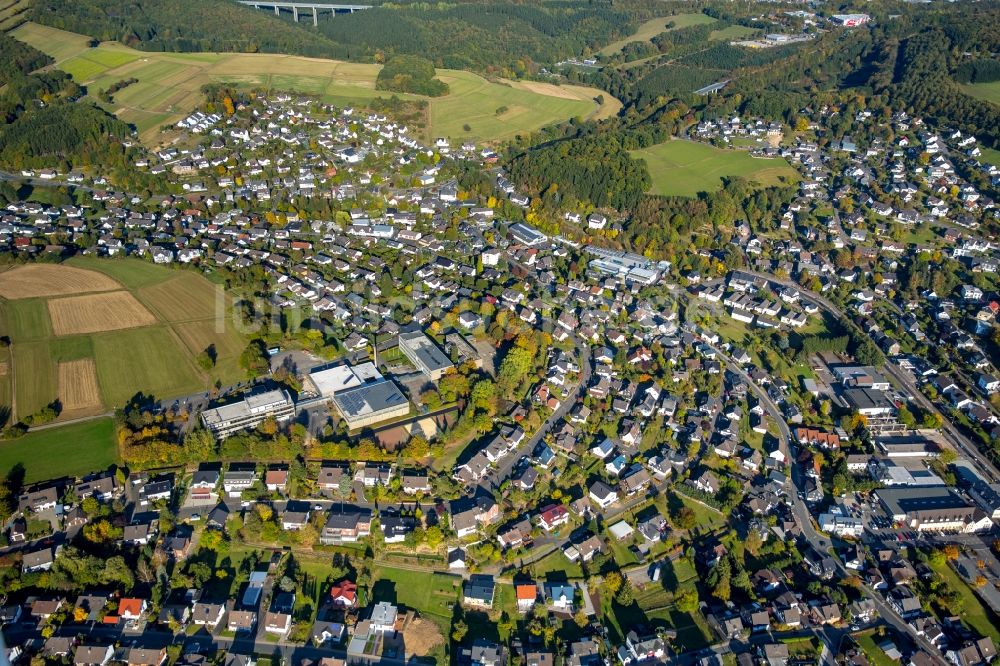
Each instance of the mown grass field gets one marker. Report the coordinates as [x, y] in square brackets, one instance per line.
[988, 91]
[165, 369]
[70, 450]
[159, 358]
[653, 27]
[426, 592]
[990, 155]
[169, 86]
[732, 32]
[685, 168]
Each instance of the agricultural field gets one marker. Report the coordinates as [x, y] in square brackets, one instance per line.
[166, 370]
[95, 313]
[169, 87]
[69, 450]
[93, 351]
[13, 14]
[987, 91]
[653, 27]
[33, 280]
[78, 388]
[685, 168]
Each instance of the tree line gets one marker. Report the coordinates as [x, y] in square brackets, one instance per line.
[16, 57]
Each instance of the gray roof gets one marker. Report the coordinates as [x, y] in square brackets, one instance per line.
[369, 399]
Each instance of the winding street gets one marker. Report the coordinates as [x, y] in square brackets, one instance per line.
[819, 542]
[904, 381]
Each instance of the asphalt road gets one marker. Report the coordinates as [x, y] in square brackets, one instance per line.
[819, 542]
[904, 380]
[506, 465]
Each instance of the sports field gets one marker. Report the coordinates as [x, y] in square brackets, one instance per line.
[685, 168]
[169, 85]
[93, 351]
[70, 450]
[988, 91]
[653, 27]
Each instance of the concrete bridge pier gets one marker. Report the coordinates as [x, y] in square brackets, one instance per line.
[295, 13]
[315, 16]
[277, 10]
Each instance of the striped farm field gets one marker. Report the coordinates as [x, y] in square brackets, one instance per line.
[169, 87]
[35, 280]
[95, 313]
[93, 351]
[182, 298]
[78, 390]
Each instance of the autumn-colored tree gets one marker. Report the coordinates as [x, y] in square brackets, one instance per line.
[613, 583]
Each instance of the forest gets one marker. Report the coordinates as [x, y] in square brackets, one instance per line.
[18, 58]
[981, 70]
[510, 39]
[56, 134]
[596, 169]
[487, 37]
[46, 123]
[410, 74]
[183, 25]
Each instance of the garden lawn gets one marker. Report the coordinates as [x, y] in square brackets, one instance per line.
[70, 450]
[556, 562]
[426, 592]
[972, 612]
[866, 641]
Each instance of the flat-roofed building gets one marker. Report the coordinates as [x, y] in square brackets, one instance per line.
[331, 381]
[249, 412]
[932, 509]
[372, 403]
[905, 446]
[624, 265]
[526, 235]
[877, 408]
[424, 354]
